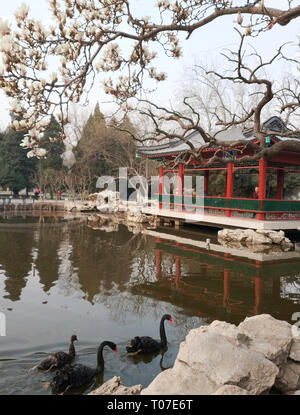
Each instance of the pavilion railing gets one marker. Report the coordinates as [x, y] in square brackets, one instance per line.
[267, 209]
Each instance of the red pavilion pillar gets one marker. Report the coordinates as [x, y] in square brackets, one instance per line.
[161, 184]
[280, 182]
[180, 184]
[229, 185]
[206, 181]
[262, 184]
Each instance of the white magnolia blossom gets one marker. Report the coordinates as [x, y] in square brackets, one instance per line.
[26, 142]
[35, 133]
[15, 107]
[239, 18]
[79, 36]
[36, 85]
[43, 123]
[29, 113]
[90, 31]
[23, 70]
[23, 124]
[22, 12]
[4, 27]
[37, 152]
[164, 4]
[54, 77]
[53, 139]
[6, 43]
[16, 125]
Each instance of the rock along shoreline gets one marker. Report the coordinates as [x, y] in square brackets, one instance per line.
[253, 358]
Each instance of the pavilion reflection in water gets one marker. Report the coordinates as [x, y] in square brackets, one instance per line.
[225, 284]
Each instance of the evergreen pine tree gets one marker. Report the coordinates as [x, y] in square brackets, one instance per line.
[16, 169]
[55, 150]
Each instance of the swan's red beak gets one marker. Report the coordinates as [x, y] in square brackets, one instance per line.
[116, 350]
[171, 321]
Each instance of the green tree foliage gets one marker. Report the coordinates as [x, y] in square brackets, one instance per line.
[102, 149]
[91, 146]
[55, 150]
[49, 172]
[120, 149]
[16, 169]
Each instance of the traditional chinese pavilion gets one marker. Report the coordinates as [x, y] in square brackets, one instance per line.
[227, 209]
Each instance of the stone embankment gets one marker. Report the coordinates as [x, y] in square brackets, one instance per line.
[49, 206]
[256, 357]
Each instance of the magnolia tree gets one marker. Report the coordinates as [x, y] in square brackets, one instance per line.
[107, 36]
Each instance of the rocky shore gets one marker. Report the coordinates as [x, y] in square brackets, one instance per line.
[251, 237]
[259, 356]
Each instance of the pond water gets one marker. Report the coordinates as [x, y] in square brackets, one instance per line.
[60, 277]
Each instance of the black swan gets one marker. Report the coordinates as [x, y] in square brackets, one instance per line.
[74, 376]
[59, 359]
[146, 344]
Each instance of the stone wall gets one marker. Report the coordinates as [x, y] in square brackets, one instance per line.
[34, 206]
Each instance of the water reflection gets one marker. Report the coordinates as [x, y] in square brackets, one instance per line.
[16, 261]
[108, 285]
[47, 261]
[100, 266]
[218, 285]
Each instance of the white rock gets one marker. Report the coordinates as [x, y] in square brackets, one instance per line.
[181, 380]
[210, 358]
[286, 243]
[230, 390]
[289, 377]
[115, 386]
[230, 331]
[255, 237]
[276, 238]
[271, 337]
[261, 239]
[295, 350]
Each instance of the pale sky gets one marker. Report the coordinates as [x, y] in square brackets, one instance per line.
[204, 45]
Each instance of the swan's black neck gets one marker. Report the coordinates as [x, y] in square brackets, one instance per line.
[72, 348]
[100, 360]
[163, 338]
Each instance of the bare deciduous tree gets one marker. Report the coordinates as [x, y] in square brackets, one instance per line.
[217, 114]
